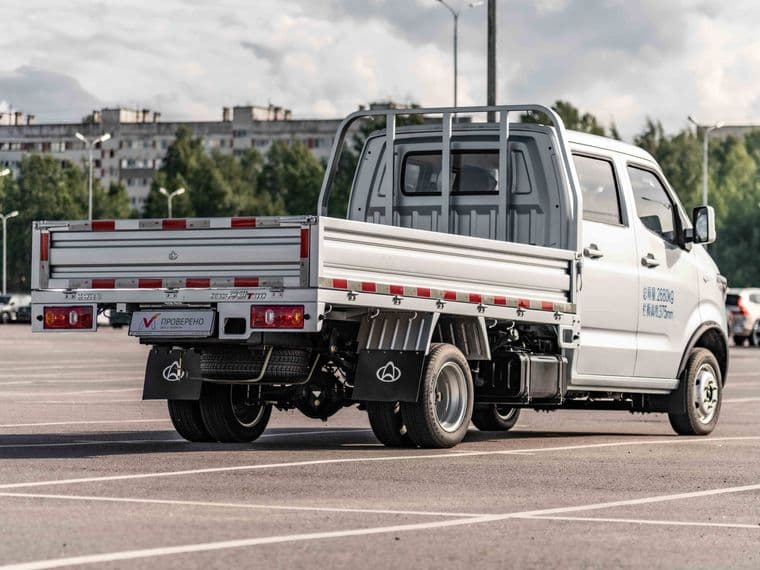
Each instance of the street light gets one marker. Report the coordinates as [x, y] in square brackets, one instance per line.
[5, 218]
[91, 143]
[706, 141]
[455, 14]
[170, 196]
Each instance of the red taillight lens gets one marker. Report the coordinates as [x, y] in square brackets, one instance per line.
[68, 317]
[277, 316]
[742, 308]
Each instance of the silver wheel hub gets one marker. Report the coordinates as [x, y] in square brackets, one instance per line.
[451, 397]
[247, 412]
[706, 393]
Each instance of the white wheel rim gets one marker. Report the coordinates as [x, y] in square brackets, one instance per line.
[451, 397]
[247, 415]
[706, 394]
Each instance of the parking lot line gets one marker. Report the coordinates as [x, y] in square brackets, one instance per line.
[740, 400]
[378, 458]
[72, 393]
[414, 527]
[644, 521]
[212, 504]
[85, 422]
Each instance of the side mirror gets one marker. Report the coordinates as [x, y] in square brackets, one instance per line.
[703, 219]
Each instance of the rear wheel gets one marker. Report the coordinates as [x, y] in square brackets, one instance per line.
[441, 416]
[495, 417]
[695, 405]
[232, 413]
[739, 340]
[387, 424]
[187, 420]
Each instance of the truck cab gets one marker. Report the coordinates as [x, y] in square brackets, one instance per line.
[481, 268]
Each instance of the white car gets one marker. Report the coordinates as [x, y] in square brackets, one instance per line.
[10, 305]
[743, 308]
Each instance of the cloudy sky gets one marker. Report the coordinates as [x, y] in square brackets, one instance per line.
[622, 60]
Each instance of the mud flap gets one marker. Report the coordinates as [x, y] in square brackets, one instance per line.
[388, 375]
[172, 374]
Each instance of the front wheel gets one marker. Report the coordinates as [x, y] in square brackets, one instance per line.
[495, 417]
[232, 413]
[441, 416]
[695, 405]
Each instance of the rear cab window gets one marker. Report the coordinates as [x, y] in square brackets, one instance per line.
[601, 193]
[472, 172]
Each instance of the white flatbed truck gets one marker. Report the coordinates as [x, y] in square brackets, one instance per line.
[482, 268]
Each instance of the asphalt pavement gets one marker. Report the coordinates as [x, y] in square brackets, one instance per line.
[91, 476]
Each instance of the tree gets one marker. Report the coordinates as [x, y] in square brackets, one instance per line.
[573, 119]
[292, 177]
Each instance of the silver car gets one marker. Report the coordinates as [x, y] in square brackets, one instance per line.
[743, 310]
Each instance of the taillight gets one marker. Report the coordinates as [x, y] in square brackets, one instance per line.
[68, 317]
[277, 316]
[742, 308]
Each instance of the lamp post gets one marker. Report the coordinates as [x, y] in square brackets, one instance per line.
[455, 14]
[170, 196]
[5, 218]
[90, 144]
[707, 129]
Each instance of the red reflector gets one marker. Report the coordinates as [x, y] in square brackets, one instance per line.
[450, 295]
[103, 225]
[103, 283]
[246, 281]
[500, 300]
[340, 283]
[369, 287]
[423, 292]
[44, 246]
[547, 306]
[150, 283]
[523, 303]
[475, 298]
[277, 316]
[198, 282]
[304, 243]
[174, 224]
[67, 317]
[396, 290]
[243, 223]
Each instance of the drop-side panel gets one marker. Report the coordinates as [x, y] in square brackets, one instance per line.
[402, 257]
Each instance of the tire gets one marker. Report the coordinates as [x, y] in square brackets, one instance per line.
[695, 405]
[187, 420]
[228, 418]
[754, 336]
[387, 424]
[5, 318]
[241, 363]
[495, 417]
[441, 416]
[739, 340]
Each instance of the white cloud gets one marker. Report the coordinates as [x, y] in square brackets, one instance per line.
[620, 60]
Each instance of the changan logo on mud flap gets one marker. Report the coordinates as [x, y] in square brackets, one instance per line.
[388, 373]
[174, 372]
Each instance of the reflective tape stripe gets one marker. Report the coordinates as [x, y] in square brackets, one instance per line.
[446, 295]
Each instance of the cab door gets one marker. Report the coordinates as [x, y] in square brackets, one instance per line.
[669, 290]
[609, 293]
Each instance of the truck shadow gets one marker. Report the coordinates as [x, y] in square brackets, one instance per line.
[115, 443]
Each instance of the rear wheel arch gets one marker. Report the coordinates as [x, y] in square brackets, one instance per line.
[710, 336]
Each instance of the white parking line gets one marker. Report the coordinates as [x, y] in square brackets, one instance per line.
[72, 393]
[644, 521]
[740, 400]
[248, 542]
[212, 504]
[379, 458]
[83, 422]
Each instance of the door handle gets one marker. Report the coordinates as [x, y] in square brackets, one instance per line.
[649, 260]
[592, 251]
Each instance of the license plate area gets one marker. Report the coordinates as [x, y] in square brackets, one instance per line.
[172, 323]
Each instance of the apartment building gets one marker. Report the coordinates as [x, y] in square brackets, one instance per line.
[139, 140]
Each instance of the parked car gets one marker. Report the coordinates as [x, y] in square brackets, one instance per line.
[743, 308]
[10, 305]
[24, 313]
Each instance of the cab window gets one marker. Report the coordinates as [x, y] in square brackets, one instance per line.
[653, 203]
[601, 200]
